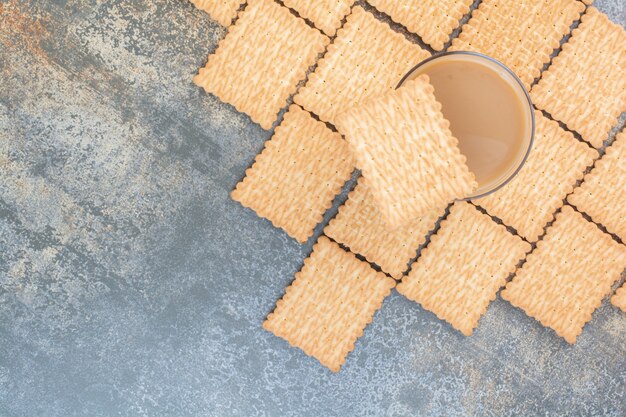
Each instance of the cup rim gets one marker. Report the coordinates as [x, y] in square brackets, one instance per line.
[521, 86]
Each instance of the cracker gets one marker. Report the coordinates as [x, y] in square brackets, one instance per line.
[405, 150]
[223, 11]
[569, 273]
[261, 60]
[465, 264]
[585, 87]
[602, 195]
[329, 304]
[556, 162]
[367, 58]
[294, 180]
[360, 227]
[520, 33]
[619, 298]
[325, 14]
[432, 20]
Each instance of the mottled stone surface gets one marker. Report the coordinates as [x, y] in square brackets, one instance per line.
[131, 285]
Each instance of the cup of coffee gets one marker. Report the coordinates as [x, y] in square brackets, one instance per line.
[489, 111]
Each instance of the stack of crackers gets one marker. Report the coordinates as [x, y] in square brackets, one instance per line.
[553, 237]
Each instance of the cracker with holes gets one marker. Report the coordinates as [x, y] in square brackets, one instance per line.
[326, 15]
[406, 152]
[261, 60]
[223, 11]
[366, 59]
[359, 226]
[602, 195]
[585, 87]
[566, 277]
[619, 298]
[329, 304]
[465, 264]
[520, 33]
[556, 162]
[294, 180]
[432, 20]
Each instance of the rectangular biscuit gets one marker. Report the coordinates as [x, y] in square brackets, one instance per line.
[294, 180]
[406, 152]
[367, 58]
[556, 162]
[465, 264]
[520, 33]
[602, 195]
[326, 15]
[329, 304]
[432, 20]
[359, 226]
[569, 273]
[619, 298]
[261, 60]
[223, 11]
[585, 87]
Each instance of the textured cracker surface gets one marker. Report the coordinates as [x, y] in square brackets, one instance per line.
[223, 11]
[325, 14]
[261, 60]
[619, 298]
[556, 162]
[295, 179]
[131, 284]
[520, 33]
[331, 300]
[360, 227]
[465, 264]
[432, 20]
[585, 87]
[405, 150]
[602, 195]
[366, 59]
[569, 273]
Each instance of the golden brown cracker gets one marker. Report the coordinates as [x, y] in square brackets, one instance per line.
[359, 226]
[326, 15]
[294, 180]
[329, 304]
[520, 33]
[585, 87]
[602, 195]
[261, 60]
[223, 11]
[566, 277]
[366, 59]
[465, 264]
[432, 20]
[407, 155]
[556, 162]
[619, 298]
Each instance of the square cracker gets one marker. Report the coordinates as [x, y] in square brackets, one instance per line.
[329, 304]
[556, 162]
[432, 20]
[619, 298]
[407, 155]
[520, 33]
[465, 264]
[223, 11]
[367, 58]
[360, 227]
[325, 14]
[569, 273]
[585, 87]
[602, 195]
[261, 60]
[294, 180]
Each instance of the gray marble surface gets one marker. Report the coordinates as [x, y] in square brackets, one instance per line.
[131, 285]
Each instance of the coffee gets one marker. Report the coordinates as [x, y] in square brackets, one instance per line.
[489, 113]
